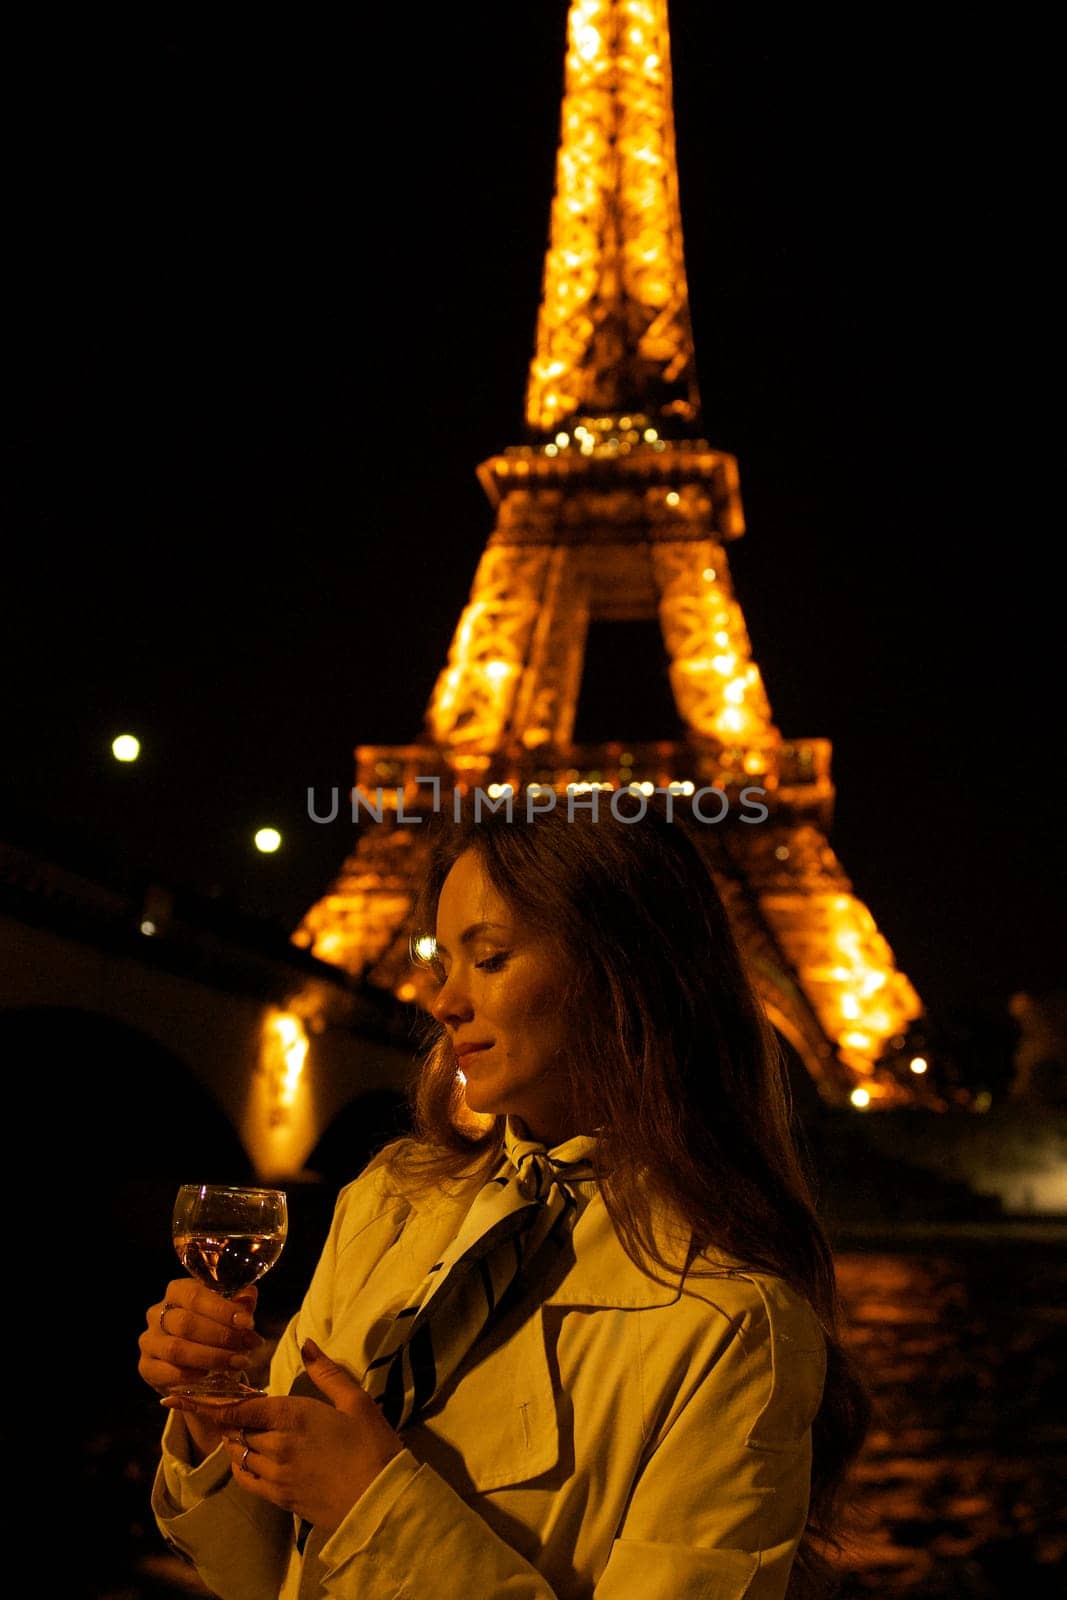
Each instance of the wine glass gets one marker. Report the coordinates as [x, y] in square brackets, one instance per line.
[227, 1238]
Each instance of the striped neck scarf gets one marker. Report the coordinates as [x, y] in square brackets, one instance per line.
[524, 1205]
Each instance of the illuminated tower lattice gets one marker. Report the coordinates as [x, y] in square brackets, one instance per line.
[616, 510]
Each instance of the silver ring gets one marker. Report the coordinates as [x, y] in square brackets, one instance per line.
[171, 1305]
[242, 1467]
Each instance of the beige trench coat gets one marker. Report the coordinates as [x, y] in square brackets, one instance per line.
[612, 1439]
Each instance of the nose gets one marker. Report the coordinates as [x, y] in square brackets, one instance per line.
[451, 1003]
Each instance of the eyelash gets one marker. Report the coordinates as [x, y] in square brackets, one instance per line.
[488, 964]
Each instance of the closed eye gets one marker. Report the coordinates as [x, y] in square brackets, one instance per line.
[493, 963]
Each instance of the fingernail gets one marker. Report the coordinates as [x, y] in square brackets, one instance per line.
[239, 1362]
[241, 1319]
[310, 1350]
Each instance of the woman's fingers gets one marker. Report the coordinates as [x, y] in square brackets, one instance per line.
[192, 1330]
[188, 1295]
[247, 1428]
[264, 1414]
[177, 1325]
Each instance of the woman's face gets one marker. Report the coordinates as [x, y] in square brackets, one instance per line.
[501, 1001]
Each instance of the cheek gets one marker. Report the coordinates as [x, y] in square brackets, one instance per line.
[543, 1005]
[546, 1027]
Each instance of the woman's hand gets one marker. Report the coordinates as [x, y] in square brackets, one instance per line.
[303, 1455]
[191, 1331]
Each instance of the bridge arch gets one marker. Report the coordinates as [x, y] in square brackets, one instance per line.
[108, 1122]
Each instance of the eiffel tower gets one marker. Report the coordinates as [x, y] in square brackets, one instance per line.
[616, 511]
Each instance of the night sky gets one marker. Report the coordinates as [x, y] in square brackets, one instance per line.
[272, 283]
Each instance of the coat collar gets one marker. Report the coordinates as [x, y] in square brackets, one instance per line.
[595, 1269]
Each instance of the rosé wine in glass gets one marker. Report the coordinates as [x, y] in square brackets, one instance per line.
[227, 1238]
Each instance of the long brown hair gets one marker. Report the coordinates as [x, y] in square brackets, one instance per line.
[680, 1074]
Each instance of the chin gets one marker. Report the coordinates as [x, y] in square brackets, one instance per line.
[476, 1118]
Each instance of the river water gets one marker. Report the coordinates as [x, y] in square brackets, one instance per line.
[961, 1490]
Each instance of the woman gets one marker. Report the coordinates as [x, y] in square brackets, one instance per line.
[578, 1336]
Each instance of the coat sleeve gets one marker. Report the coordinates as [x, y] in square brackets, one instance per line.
[719, 1501]
[238, 1543]
[243, 1547]
[411, 1535]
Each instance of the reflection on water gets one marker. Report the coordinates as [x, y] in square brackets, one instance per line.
[962, 1487]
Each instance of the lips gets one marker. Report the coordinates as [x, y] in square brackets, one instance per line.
[465, 1050]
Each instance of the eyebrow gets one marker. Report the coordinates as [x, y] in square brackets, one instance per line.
[469, 935]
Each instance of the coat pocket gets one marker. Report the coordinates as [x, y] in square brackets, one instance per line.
[669, 1572]
[496, 1423]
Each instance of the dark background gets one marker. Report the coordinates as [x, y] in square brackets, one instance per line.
[272, 282]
